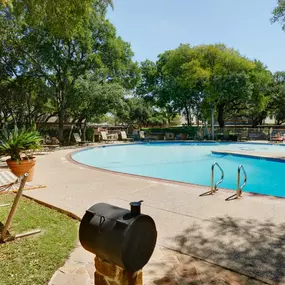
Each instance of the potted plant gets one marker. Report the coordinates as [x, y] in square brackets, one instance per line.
[16, 144]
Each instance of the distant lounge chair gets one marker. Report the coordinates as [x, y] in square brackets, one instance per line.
[124, 136]
[7, 179]
[106, 138]
[169, 136]
[49, 144]
[10, 182]
[78, 139]
[143, 137]
[278, 138]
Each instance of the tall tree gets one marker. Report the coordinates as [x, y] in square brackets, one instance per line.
[169, 84]
[136, 110]
[203, 80]
[60, 61]
[277, 102]
[23, 101]
[229, 82]
[257, 106]
[92, 100]
[62, 18]
[187, 78]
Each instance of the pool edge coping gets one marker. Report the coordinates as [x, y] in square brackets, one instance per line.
[247, 155]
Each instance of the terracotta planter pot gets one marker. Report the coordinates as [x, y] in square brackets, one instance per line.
[22, 167]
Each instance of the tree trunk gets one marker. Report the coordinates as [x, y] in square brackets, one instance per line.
[70, 133]
[188, 117]
[256, 122]
[213, 122]
[84, 129]
[169, 120]
[60, 125]
[221, 115]
[197, 121]
[204, 124]
[29, 115]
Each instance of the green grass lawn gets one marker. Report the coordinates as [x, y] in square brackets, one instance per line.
[33, 260]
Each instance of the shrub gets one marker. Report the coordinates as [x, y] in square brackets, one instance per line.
[17, 142]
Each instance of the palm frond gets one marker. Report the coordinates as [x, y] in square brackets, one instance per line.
[16, 142]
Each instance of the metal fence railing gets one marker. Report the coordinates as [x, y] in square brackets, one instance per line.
[223, 134]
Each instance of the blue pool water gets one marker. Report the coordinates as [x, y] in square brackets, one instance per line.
[190, 162]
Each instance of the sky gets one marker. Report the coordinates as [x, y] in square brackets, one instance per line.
[153, 26]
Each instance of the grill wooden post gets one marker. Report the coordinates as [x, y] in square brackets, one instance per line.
[108, 273]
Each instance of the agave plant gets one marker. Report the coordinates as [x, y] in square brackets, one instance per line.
[18, 142]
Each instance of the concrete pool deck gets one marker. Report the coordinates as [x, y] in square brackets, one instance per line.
[245, 235]
[277, 156]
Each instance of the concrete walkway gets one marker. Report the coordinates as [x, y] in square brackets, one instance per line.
[273, 155]
[246, 235]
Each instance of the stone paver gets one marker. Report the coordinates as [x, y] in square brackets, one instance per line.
[245, 235]
[78, 269]
[166, 267]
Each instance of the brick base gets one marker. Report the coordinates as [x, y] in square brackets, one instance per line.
[111, 274]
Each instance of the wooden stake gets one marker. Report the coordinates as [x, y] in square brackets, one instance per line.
[27, 234]
[13, 208]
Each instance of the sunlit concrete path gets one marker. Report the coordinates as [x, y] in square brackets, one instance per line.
[246, 235]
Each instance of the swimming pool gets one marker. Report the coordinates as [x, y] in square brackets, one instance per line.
[191, 162]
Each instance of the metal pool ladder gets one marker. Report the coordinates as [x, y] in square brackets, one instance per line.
[239, 188]
[214, 187]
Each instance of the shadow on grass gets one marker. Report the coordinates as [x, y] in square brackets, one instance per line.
[8, 234]
[253, 251]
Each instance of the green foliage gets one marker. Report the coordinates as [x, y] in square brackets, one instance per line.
[202, 79]
[279, 14]
[136, 110]
[33, 260]
[24, 99]
[42, 69]
[15, 143]
[229, 80]
[175, 120]
[158, 118]
[64, 59]
[277, 100]
[257, 104]
[60, 17]
[133, 111]
[189, 131]
[91, 99]
[89, 134]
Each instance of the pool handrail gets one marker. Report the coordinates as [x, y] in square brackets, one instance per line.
[214, 188]
[239, 188]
